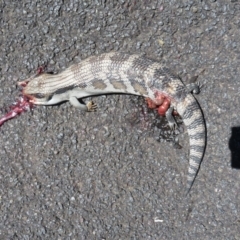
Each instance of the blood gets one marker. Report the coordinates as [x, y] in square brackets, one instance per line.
[150, 103]
[161, 104]
[22, 105]
[41, 69]
[162, 109]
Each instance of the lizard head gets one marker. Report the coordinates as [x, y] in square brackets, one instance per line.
[35, 89]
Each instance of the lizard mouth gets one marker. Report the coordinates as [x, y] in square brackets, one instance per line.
[28, 97]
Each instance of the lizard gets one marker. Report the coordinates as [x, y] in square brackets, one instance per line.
[117, 72]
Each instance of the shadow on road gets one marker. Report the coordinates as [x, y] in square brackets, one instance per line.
[234, 146]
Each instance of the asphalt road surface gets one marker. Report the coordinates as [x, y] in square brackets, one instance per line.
[65, 174]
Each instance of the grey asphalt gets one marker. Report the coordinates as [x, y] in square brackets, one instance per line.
[65, 174]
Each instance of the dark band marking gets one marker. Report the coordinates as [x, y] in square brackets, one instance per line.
[191, 176]
[99, 84]
[195, 159]
[159, 73]
[95, 63]
[197, 122]
[64, 89]
[195, 168]
[140, 88]
[117, 61]
[82, 85]
[142, 64]
[197, 136]
[118, 85]
[119, 58]
[96, 59]
[191, 110]
[180, 92]
[169, 73]
[197, 148]
[76, 69]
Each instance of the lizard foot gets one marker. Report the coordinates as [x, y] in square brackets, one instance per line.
[171, 121]
[91, 106]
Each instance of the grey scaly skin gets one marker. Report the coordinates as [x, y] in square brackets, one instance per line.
[123, 73]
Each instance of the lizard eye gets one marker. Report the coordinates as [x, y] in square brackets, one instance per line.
[42, 97]
[39, 95]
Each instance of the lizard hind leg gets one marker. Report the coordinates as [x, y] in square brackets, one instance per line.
[164, 109]
[171, 120]
[193, 88]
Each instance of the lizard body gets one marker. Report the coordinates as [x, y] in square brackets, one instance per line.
[131, 74]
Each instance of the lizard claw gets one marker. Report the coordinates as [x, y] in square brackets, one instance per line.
[171, 121]
[173, 125]
[91, 106]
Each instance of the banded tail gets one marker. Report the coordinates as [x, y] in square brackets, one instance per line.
[193, 119]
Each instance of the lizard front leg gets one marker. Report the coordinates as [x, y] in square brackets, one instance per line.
[89, 107]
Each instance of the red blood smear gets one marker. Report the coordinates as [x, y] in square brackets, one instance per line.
[22, 105]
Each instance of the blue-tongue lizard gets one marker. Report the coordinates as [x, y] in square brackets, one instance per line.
[116, 72]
